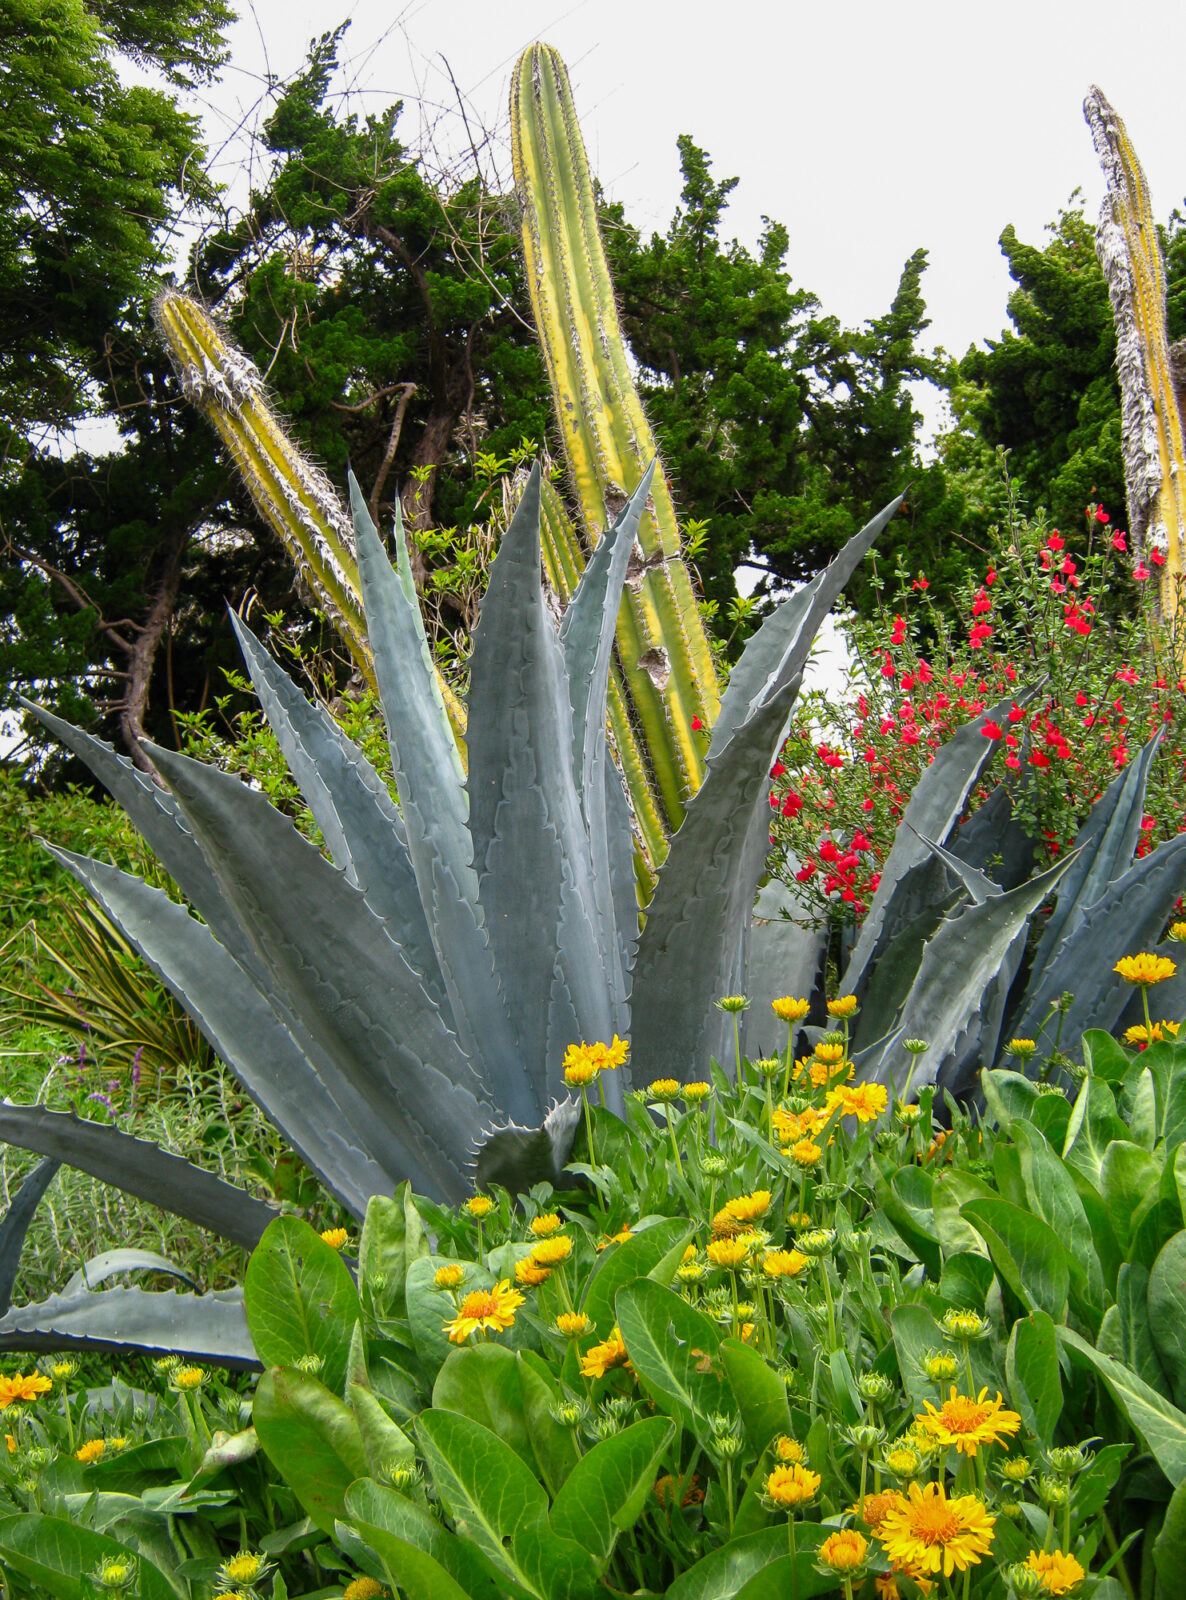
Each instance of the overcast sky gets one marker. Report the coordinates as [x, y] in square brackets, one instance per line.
[868, 129]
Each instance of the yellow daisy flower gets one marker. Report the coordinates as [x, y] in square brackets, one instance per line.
[788, 1009]
[92, 1450]
[788, 1450]
[22, 1386]
[449, 1276]
[874, 1508]
[552, 1252]
[844, 1552]
[1145, 969]
[363, 1589]
[335, 1237]
[602, 1358]
[485, 1309]
[479, 1206]
[791, 1486]
[572, 1324]
[543, 1227]
[968, 1423]
[844, 1005]
[727, 1252]
[784, 1263]
[930, 1533]
[1061, 1574]
[529, 1274]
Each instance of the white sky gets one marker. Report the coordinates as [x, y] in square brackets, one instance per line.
[868, 129]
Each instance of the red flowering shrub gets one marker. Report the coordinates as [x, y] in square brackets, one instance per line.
[1073, 624]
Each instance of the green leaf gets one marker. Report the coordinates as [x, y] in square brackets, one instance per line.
[556, 1568]
[915, 1332]
[607, 1489]
[721, 1574]
[55, 1556]
[483, 1383]
[1161, 1425]
[385, 1442]
[1169, 1548]
[1027, 1253]
[553, 1444]
[392, 1238]
[966, 1280]
[1051, 1192]
[312, 1439]
[410, 1570]
[1128, 1175]
[373, 1508]
[653, 1252]
[1092, 1128]
[1032, 1372]
[759, 1391]
[483, 1485]
[1167, 1312]
[676, 1352]
[1103, 1056]
[300, 1300]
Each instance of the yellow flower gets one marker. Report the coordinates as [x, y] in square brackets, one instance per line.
[806, 1153]
[482, 1309]
[582, 1062]
[727, 1252]
[663, 1089]
[964, 1324]
[601, 1358]
[694, 1093]
[874, 1508]
[830, 1054]
[10, 1441]
[902, 1460]
[844, 1005]
[784, 1263]
[449, 1276]
[865, 1101]
[246, 1568]
[844, 1552]
[1139, 1034]
[792, 1486]
[479, 1206]
[61, 1370]
[90, 1451]
[1060, 1573]
[552, 1252]
[543, 1227]
[1177, 932]
[22, 1386]
[614, 1238]
[363, 1589]
[529, 1274]
[788, 1009]
[572, 1324]
[188, 1378]
[789, 1451]
[968, 1423]
[1022, 1048]
[735, 1214]
[335, 1237]
[940, 1366]
[580, 1074]
[617, 1053]
[931, 1533]
[1145, 969]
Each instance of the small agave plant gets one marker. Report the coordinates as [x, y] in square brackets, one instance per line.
[401, 1010]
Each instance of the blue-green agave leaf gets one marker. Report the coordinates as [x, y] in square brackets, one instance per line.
[957, 1000]
[994, 841]
[785, 956]
[16, 1222]
[910, 874]
[1129, 916]
[336, 972]
[1105, 844]
[692, 948]
[202, 1327]
[587, 639]
[297, 1086]
[519, 1158]
[112, 1263]
[976, 885]
[138, 1167]
[360, 822]
[158, 819]
[778, 651]
[435, 812]
[531, 847]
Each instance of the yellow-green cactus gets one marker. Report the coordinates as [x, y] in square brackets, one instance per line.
[1152, 424]
[667, 668]
[293, 496]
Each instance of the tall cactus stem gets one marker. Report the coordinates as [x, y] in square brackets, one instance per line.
[1151, 421]
[663, 647]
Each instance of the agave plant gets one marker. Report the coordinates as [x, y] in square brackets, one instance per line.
[401, 1010]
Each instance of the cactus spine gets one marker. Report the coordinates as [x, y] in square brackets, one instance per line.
[667, 666]
[294, 497]
[1152, 423]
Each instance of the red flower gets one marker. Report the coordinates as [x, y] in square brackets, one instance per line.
[1101, 515]
[992, 730]
[1128, 675]
[978, 633]
[1140, 572]
[899, 631]
[1120, 540]
[990, 577]
[777, 770]
[887, 667]
[1016, 713]
[981, 604]
[1157, 557]
[920, 583]
[1039, 758]
[697, 725]
[1056, 541]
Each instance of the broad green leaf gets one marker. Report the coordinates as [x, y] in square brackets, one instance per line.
[721, 1574]
[1032, 1371]
[1096, 1482]
[1167, 1312]
[845, 1396]
[1137, 1104]
[1093, 1126]
[1161, 1425]
[1172, 1081]
[1169, 1548]
[759, 1391]
[1027, 1253]
[55, 1556]
[676, 1353]
[966, 1280]
[655, 1253]
[312, 1439]
[1052, 1195]
[915, 1332]
[484, 1486]
[557, 1568]
[483, 1383]
[374, 1507]
[906, 1200]
[1103, 1056]
[410, 1570]
[430, 1308]
[1128, 1175]
[392, 1238]
[385, 1442]
[1129, 1337]
[605, 1492]
[300, 1300]
[553, 1444]
[774, 1582]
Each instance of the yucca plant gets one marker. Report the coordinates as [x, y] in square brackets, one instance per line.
[403, 1012]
